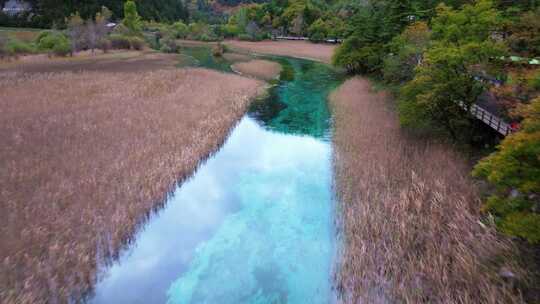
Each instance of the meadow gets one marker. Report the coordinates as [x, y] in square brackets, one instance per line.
[88, 155]
[410, 213]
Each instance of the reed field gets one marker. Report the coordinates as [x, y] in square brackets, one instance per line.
[112, 61]
[262, 69]
[409, 214]
[300, 49]
[87, 156]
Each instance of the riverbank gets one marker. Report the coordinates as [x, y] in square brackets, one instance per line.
[87, 154]
[298, 49]
[410, 213]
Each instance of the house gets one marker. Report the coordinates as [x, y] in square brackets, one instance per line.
[15, 7]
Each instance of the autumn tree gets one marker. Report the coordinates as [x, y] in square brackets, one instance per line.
[406, 53]
[515, 171]
[76, 31]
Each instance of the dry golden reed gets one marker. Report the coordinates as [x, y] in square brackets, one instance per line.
[409, 213]
[262, 69]
[301, 49]
[85, 157]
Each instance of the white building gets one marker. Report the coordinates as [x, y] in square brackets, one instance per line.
[15, 7]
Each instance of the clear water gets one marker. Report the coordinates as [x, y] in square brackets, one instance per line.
[202, 57]
[255, 222]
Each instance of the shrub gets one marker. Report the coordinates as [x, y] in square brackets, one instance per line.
[152, 39]
[53, 41]
[42, 35]
[179, 29]
[16, 47]
[317, 37]
[105, 45]
[62, 47]
[120, 42]
[230, 30]
[168, 45]
[244, 37]
[136, 43]
[206, 37]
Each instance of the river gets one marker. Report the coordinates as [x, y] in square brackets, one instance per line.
[255, 223]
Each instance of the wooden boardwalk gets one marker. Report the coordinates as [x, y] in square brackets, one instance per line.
[306, 39]
[489, 119]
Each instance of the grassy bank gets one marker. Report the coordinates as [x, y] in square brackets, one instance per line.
[85, 156]
[410, 213]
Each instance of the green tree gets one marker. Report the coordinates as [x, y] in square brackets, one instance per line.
[363, 51]
[407, 51]
[132, 20]
[525, 37]
[318, 30]
[515, 171]
[179, 29]
[461, 39]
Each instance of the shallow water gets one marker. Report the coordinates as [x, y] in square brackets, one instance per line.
[255, 222]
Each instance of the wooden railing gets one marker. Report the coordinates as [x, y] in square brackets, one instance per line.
[305, 39]
[491, 120]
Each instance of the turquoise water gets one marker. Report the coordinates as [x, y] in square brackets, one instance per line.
[202, 57]
[255, 222]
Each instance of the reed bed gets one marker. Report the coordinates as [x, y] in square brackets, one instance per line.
[410, 216]
[113, 61]
[262, 69]
[86, 157]
[300, 49]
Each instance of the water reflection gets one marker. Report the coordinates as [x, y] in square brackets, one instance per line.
[254, 224]
[299, 106]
